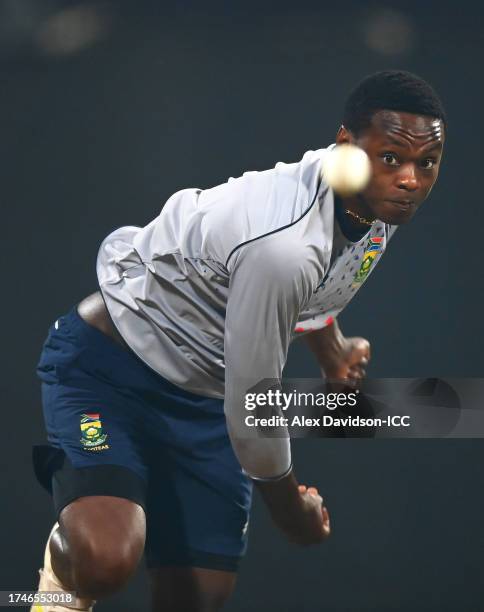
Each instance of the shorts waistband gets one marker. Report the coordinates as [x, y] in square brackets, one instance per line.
[139, 372]
[74, 323]
[74, 319]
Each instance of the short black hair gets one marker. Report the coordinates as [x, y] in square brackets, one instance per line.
[395, 90]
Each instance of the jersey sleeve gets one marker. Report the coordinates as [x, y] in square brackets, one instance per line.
[269, 285]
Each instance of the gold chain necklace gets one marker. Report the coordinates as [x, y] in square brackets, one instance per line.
[358, 218]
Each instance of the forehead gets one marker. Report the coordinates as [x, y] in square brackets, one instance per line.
[417, 130]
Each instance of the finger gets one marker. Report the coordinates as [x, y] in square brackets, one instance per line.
[358, 368]
[302, 488]
[356, 372]
[326, 521]
[363, 347]
[358, 361]
[313, 491]
[355, 379]
[351, 382]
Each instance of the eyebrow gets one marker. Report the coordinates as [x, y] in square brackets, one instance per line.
[395, 141]
[436, 145]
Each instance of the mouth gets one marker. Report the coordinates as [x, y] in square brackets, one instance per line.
[402, 204]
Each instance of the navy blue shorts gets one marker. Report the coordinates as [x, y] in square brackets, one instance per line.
[115, 427]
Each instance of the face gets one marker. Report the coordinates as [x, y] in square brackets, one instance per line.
[405, 152]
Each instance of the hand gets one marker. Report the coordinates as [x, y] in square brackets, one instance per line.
[348, 360]
[316, 511]
[340, 358]
[297, 510]
[310, 523]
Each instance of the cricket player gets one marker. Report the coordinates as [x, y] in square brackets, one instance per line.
[143, 382]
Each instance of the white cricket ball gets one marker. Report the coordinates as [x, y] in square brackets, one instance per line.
[346, 168]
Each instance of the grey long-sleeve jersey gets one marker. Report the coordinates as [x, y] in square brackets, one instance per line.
[211, 292]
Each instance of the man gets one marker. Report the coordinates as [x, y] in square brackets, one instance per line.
[143, 383]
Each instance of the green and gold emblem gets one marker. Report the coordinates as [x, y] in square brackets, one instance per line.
[372, 250]
[92, 431]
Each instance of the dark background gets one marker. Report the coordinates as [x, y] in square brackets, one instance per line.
[105, 111]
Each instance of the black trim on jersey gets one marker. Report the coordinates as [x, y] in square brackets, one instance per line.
[279, 229]
[272, 478]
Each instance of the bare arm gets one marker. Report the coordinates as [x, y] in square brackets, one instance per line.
[297, 510]
[267, 288]
[339, 357]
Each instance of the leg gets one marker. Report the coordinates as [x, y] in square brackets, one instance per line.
[93, 466]
[195, 540]
[98, 545]
[198, 502]
[190, 589]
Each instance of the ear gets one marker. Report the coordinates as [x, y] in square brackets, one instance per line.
[344, 136]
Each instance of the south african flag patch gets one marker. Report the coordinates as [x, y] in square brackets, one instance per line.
[373, 248]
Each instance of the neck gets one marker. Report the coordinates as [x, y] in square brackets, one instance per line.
[358, 206]
[352, 229]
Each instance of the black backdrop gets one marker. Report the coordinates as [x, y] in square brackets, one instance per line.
[189, 95]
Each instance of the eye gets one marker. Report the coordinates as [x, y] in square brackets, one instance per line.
[428, 164]
[390, 159]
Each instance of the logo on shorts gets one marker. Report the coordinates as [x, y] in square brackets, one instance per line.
[93, 437]
[373, 249]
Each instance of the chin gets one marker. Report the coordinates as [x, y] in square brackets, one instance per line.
[395, 219]
[393, 215]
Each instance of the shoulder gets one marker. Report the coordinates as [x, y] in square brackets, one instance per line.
[258, 203]
[279, 258]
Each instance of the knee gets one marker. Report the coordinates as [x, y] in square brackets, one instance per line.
[100, 567]
[101, 540]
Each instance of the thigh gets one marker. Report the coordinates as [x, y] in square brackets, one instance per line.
[190, 589]
[192, 521]
[92, 452]
[199, 498]
[93, 423]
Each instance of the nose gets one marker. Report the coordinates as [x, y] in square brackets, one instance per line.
[407, 178]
